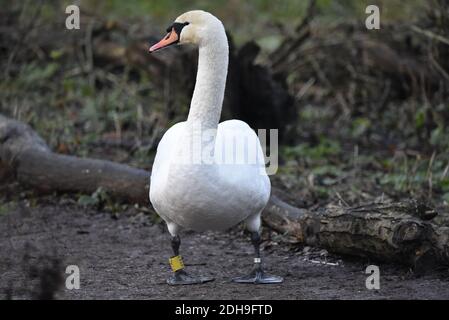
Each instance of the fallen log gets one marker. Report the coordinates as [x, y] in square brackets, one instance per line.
[399, 232]
[25, 157]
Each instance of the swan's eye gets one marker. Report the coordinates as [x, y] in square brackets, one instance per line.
[177, 26]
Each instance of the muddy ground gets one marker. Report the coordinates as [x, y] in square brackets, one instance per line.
[125, 257]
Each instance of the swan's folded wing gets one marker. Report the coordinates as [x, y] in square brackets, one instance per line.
[239, 151]
[238, 144]
[164, 155]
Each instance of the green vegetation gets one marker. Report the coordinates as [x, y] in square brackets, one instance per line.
[111, 113]
[6, 208]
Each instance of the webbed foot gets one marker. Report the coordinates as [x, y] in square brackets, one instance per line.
[181, 277]
[258, 276]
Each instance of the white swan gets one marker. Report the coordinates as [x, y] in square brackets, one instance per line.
[193, 184]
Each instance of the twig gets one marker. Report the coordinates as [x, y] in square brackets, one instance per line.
[439, 67]
[341, 199]
[89, 52]
[281, 54]
[444, 174]
[356, 158]
[117, 125]
[430, 174]
[429, 168]
[305, 88]
[430, 34]
[139, 122]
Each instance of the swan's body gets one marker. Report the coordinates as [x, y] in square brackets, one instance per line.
[206, 196]
[208, 193]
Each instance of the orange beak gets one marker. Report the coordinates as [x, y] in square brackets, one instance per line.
[170, 39]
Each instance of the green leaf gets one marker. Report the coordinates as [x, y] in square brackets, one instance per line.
[420, 118]
[56, 54]
[86, 200]
[444, 184]
[360, 126]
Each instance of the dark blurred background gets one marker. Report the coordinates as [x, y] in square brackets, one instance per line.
[362, 114]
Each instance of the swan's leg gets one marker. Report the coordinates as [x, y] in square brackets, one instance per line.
[179, 275]
[257, 275]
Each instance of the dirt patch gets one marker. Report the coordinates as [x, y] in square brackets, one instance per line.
[125, 257]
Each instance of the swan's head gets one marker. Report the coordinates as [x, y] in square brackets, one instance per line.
[194, 27]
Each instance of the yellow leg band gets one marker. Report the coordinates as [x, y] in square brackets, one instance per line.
[176, 263]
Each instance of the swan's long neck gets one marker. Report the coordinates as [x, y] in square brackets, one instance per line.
[207, 100]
